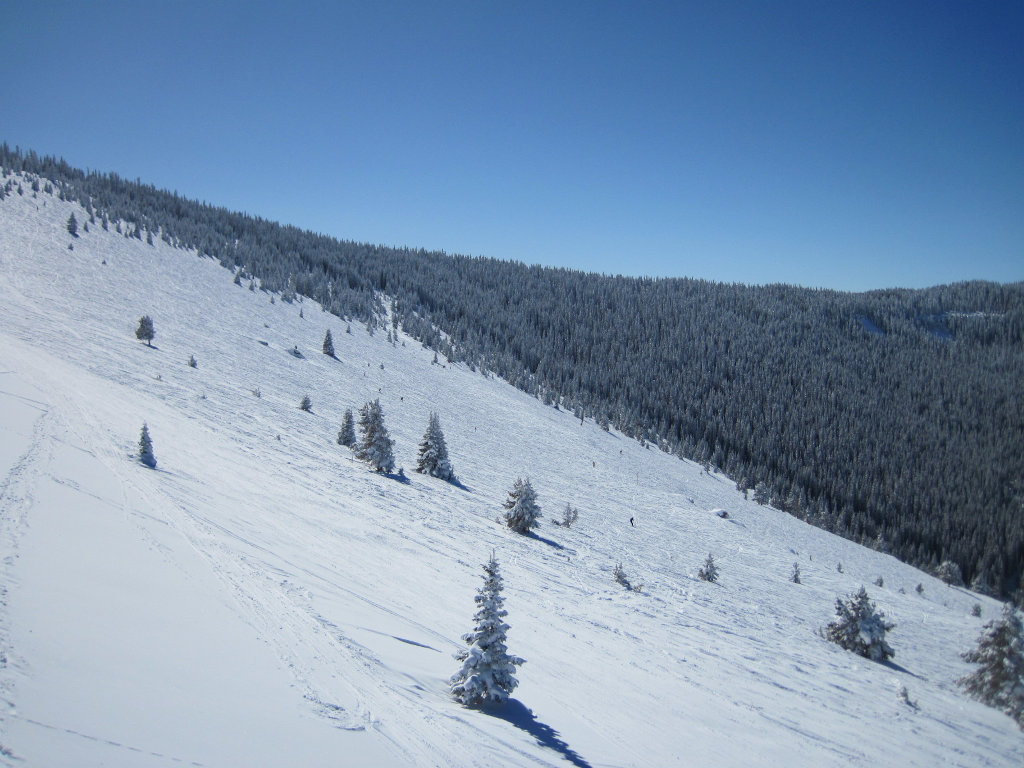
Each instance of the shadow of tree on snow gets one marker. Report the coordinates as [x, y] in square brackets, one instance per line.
[544, 540]
[522, 717]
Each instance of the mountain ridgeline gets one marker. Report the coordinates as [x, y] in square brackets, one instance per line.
[895, 417]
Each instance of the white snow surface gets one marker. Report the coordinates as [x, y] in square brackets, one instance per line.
[264, 599]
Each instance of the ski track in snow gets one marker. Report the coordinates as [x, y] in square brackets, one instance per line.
[276, 602]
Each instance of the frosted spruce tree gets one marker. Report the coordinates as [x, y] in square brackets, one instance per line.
[708, 571]
[146, 448]
[999, 680]
[521, 509]
[375, 446]
[145, 331]
[860, 627]
[328, 344]
[347, 433]
[487, 673]
[433, 458]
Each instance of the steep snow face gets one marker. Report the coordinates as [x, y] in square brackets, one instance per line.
[261, 598]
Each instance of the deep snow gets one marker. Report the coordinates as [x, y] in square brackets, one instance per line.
[263, 599]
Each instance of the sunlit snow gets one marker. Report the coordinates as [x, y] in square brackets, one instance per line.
[261, 598]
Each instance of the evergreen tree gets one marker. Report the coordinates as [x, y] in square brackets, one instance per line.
[375, 448]
[72, 225]
[708, 571]
[569, 516]
[328, 344]
[950, 573]
[488, 670]
[145, 331]
[306, 404]
[146, 448]
[795, 578]
[860, 628]
[522, 512]
[433, 458]
[999, 681]
[347, 433]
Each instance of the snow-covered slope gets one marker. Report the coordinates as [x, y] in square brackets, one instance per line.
[263, 599]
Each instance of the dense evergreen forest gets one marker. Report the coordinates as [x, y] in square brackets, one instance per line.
[894, 417]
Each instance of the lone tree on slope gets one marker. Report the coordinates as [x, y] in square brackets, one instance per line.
[522, 512]
[433, 458]
[999, 681]
[860, 628]
[145, 331]
[146, 448]
[328, 344]
[709, 571]
[347, 433]
[488, 670]
[72, 225]
[375, 446]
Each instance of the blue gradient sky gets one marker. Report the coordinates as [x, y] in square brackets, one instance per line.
[844, 145]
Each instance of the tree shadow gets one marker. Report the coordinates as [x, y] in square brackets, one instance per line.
[522, 717]
[543, 540]
[897, 668]
[399, 477]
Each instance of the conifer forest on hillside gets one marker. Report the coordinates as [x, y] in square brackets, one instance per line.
[894, 417]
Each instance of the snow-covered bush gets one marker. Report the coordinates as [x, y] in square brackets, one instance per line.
[999, 680]
[620, 576]
[521, 509]
[860, 628]
[487, 673]
[569, 516]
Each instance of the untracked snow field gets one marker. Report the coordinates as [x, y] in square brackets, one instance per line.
[262, 598]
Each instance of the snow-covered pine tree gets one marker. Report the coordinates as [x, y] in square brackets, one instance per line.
[999, 681]
[72, 225]
[306, 404]
[488, 670]
[347, 433]
[860, 628]
[795, 577]
[950, 573]
[145, 331]
[569, 516]
[328, 344]
[708, 571]
[375, 446]
[433, 458]
[522, 511]
[146, 448]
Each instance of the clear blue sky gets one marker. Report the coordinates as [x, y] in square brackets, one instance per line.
[850, 145]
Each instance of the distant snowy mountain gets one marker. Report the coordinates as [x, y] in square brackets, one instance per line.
[262, 598]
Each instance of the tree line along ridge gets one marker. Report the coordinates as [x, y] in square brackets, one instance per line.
[890, 417]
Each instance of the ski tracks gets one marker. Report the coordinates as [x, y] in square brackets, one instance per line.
[16, 498]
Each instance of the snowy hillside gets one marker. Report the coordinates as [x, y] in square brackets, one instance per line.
[263, 599]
